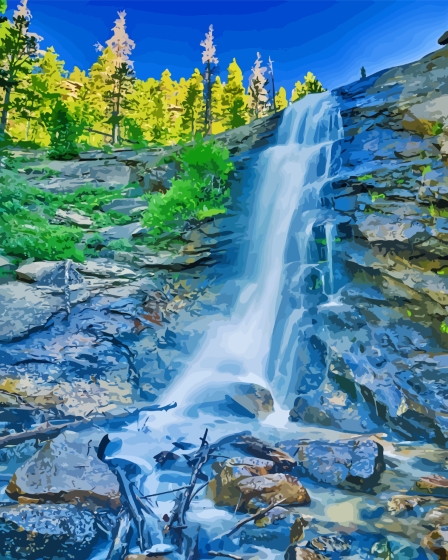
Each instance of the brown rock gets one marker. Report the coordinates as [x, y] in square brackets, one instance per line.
[224, 488]
[436, 485]
[297, 529]
[273, 487]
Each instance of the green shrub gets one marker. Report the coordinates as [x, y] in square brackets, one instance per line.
[64, 132]
[198, 192]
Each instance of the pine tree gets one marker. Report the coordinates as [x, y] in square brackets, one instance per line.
[210, 61]
[193, 106]
[281, 102]
[258, 96]
[19, 50]
[234, 101]
[311, 85]
[363, 72]
[122, 77]
[218, 124]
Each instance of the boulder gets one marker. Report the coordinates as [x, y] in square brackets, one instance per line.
[352, 464]
[272, 517]
[115, 174]
[74, 218]
[114, 233]
[258, 448]
[36, 531]
[272, 487]
[224, 487]
[253, 398]
[66, 469]
[50, 273]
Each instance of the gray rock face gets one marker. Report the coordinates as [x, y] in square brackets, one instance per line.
[353, 463]
[46, 531]
[24, 308]
[64, 470]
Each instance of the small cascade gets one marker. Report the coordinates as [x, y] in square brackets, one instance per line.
[330, 230]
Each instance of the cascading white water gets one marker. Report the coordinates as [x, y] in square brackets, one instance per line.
[329, 239]
[289, 177]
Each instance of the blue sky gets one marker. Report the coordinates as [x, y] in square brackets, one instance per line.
[331, 38]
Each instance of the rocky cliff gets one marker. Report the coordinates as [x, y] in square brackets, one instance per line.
[384, 343]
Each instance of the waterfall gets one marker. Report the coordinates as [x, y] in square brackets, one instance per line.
[288, 179]
[329, 239]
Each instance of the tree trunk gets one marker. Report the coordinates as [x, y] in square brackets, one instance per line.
[4, 119]
[27, 130]
[208, 99]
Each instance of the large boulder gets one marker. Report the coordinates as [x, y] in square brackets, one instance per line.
[224, 487]
[73, 218]
[36, 531]
[66, 469]
[253, 398]
[355, 464]
[126, 206]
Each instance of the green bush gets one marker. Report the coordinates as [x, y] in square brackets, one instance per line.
[199, 191]
[64, 132]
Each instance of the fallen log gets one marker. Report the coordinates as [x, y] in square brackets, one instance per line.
[262, 450]
[47, 430]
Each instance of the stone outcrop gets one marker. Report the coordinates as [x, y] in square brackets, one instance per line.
[384, 348]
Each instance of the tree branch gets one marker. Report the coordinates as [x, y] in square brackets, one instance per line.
[260, 513]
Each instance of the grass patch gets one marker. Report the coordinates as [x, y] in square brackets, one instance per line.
[377, 196]
[365, 177]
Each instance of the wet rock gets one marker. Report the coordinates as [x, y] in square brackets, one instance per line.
[113, 175]
[253, 398]
[437, 542]
[435, 485]
[297, 552]
[331, 544]
[352, 464]
[174, 262]
[114, 233]
[50, 273]
[66, 469]
[224, 487]
[258, 448]
[399, 505]
[297, 529]
[272, 487]
[74, 218]
[46, 531]
[272, 517]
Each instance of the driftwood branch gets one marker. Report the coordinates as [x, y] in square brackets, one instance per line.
[120, 543]
[177, 519]
[49, 431]
[260, 513]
